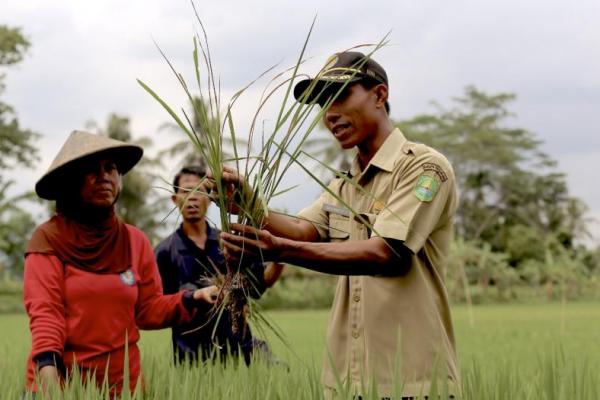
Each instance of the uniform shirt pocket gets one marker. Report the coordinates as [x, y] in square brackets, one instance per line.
[339, 228]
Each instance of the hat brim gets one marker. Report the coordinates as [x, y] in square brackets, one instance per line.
[306, 92]
[51, 184]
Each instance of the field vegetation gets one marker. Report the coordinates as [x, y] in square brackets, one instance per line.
[545, 351]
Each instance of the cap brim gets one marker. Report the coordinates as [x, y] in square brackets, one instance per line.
[49, 186]
[306, 92]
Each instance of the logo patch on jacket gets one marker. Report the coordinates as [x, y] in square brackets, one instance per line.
[127, 277]
[426, 188]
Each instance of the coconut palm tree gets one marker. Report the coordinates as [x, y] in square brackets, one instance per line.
[189, 155]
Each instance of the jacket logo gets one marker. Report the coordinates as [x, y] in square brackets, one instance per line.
[127, 277]
[426, 188]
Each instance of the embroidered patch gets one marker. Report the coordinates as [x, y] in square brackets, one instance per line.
[426, 188]
[127, 277]
[437, 169]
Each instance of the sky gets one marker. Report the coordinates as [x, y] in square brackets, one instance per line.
[86, 56]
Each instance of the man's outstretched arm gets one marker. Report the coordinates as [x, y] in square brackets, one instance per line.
[374, 256]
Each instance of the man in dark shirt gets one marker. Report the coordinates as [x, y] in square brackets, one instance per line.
[190, 258]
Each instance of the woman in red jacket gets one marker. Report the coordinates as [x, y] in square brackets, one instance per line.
[90, 279]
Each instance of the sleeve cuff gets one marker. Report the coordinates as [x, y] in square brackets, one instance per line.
[390, 230]
[188, 301]
[49, 358]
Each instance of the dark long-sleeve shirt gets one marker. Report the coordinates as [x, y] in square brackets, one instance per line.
[181, 263]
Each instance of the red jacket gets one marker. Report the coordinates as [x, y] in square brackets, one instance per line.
[89, 318]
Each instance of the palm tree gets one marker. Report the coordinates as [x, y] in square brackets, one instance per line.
[186, 154]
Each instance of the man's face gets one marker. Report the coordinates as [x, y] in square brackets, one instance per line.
[191, 197]
[101, 183]
[351, 117]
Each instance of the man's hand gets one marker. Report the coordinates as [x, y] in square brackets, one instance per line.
[251, 244]
[236, 188]
[207, 295]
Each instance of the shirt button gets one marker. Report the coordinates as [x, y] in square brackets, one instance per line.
[356, 298]
[355, 334]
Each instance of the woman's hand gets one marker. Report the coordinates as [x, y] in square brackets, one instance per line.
[49, 377]
[251, 244]
[207, 295]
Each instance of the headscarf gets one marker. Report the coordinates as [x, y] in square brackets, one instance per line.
[91, 240]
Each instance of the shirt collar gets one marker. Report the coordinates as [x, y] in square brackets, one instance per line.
[184, 242]
[385, 157]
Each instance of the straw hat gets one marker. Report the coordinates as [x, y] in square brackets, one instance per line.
[79, 146]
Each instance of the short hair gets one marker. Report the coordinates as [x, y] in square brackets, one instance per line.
[369, 83]
[197, 170]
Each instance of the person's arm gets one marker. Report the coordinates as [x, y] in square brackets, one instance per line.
[49, 376]
[272, 273]
[374, 256]
[43, 288]
[168, 271]
[276, 223]
[290, 227]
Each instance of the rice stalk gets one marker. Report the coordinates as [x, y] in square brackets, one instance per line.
[264, 171]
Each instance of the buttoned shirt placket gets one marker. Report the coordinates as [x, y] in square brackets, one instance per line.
[358, 231]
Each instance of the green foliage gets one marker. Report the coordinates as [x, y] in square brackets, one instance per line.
[11, 295]
[139, 204]
[503, 176]
[189, 155]
[17, 149]
[13, 45]
[477, 274]
[15, 142]
[299, 288]
[523, 244]
[16, 226]
[510, 352]
[516, 217]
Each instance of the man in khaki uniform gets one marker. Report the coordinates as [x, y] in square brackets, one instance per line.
[385, 227]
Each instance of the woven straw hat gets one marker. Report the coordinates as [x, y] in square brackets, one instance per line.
[79, 146]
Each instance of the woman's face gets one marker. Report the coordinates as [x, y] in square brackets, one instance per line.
[101, 183]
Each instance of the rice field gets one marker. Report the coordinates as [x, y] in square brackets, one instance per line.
[546, 351]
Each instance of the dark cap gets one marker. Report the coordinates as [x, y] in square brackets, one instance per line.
[348, 66]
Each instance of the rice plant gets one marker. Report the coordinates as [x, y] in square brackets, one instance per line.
[515, 352]
[264, 169]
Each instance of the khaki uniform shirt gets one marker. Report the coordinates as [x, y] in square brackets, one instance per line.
[392, 330]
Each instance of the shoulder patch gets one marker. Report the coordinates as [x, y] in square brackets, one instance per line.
[427, 187]
[429, 166]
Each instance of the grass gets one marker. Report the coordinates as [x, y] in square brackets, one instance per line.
[510, 352]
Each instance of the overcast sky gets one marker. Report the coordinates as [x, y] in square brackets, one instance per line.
[86, 56]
